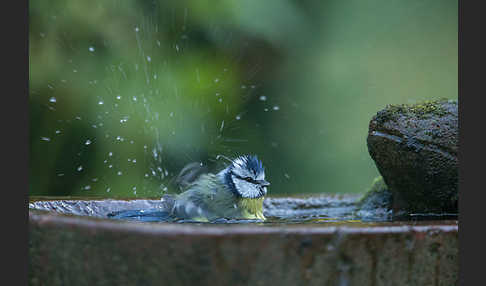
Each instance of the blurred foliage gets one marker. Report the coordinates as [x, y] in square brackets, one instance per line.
[123, 94]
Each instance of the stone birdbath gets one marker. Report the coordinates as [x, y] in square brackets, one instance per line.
[388, 237]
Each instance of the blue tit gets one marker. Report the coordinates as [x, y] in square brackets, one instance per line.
[236, 192]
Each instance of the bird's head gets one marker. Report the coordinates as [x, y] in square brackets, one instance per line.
[246, 177]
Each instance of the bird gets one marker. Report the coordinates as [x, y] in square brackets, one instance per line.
[236, 192]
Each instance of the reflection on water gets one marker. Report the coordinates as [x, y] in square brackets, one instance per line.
[316, 210]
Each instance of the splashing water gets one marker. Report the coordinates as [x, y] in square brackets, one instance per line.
[124, 102]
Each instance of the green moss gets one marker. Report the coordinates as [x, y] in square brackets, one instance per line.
[420, 110]
[377, 196]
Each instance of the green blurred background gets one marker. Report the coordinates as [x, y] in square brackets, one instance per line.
[123, 94]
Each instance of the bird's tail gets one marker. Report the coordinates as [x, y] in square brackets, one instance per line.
[150, 215]
[164, 213]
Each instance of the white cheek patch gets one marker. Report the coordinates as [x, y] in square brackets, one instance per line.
[261, 176]
[246, 189]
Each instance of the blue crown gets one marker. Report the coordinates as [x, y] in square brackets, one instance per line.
[249, 162]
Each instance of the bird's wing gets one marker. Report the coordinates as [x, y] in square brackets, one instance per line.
[207, 198]
[188, 176]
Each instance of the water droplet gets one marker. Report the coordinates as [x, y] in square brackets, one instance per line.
[58, 131]
[171, 114]
[243, 86]
[87, 142]
[118, 97]
[134, 161]
[100, 102]
[52, 99]
[94, 179]
[276, 107]
[220, 99]
[87, 187]
[265, 109]
[137, 29]
[110, 166]
[216, 80]
[149, 59]
[238, 117]
[110, 154]
[80, 168]
[287, 176]
[119, 173]
[108, 190]
[75, 70]
[134, 98]
[91, 49]
[263, 98]
[47, 139]
[60, 174]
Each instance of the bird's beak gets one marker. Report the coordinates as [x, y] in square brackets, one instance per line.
[263, 183]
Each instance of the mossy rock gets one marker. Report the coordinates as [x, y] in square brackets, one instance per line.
[378, 196]
[415, 150]
[376, 203]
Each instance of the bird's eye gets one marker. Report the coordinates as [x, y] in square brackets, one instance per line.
[248, 179]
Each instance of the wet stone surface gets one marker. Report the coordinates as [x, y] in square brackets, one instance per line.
[415, 149]
[335, 249]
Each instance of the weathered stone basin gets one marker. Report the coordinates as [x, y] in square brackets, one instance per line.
[85, 248]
